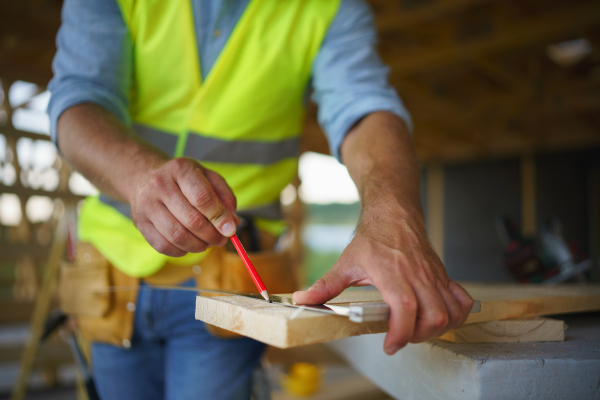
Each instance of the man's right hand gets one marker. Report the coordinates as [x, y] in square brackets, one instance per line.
[178, 205]
[181, 207]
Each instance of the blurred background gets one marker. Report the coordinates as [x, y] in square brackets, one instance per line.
[505, 96]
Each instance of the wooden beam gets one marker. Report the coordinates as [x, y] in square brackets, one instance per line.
[536, 329]
[9, 131]
[542, 29]
[42, 307]
[14, 251]
[14, 312]
[392, 17]
[505, 78]
[28, 192]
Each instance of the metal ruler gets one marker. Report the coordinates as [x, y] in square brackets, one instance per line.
[356, 312]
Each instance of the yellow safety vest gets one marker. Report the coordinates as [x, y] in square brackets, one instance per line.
[244, 121]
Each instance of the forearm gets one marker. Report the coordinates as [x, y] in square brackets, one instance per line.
[390, 249]
[104, 150]
[381, 160]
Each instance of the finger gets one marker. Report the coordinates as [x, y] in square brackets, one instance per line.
[175, 233]
[190, 218]
[399, 295]
[454, 310]
[464, 299]
[222, 190]
[157, 241]
[432, 313]
[329, 286]
[199, 192]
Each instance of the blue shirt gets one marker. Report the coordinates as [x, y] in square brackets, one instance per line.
[93, 63]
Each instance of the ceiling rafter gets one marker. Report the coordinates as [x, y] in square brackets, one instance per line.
[393, 17]
[541, 29]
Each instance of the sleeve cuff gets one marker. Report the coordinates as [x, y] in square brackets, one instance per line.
[76, 93]
[338, 129]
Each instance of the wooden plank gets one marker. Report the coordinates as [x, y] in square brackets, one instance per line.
[504, 301]
[536, 329]
[286, 327]
[277, 325]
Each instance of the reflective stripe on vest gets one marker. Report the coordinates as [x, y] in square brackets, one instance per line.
[243, 121]
[165, 142]
[205, 148]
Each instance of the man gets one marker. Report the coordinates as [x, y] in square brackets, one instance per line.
[139, 86]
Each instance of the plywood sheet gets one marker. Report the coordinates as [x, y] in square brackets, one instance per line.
[285, 327]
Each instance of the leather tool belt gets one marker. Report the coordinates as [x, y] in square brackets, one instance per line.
[108, 316]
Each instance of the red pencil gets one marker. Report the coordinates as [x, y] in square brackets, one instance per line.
[257, 281]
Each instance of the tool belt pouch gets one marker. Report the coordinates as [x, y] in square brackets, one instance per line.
[83, 283]
[276, 269]
[102, 316]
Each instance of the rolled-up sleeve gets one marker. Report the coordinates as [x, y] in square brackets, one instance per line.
[349, 79]
[93, 60]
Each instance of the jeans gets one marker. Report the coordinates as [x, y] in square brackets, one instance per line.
[173, 357]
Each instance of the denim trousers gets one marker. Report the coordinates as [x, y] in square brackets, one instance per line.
[173, 357]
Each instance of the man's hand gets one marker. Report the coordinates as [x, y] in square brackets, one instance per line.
[178, 205]
[181, 207]
[396, 257]
[390, 249]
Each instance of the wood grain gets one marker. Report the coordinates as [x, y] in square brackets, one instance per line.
[285, 327]
[536, 329]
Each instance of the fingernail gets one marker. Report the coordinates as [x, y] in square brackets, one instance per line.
[392, 350]
[228, 229]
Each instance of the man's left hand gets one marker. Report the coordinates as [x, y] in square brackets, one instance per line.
[394, 255]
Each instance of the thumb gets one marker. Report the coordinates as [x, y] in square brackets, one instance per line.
[329, 286]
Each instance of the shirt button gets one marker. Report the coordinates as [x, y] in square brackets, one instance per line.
[126, 343]
[217, 33]
[131, 306]
[196, 269]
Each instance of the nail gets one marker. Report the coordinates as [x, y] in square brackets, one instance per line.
[391, 350]
[228, 229]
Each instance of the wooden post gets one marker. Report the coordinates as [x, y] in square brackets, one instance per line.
[528, 211]
[42, 307]
[435, 208]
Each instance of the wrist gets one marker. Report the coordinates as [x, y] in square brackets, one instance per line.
[144, 164]
[392, 217]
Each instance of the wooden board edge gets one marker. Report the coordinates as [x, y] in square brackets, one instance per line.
[530, 307]
[245, 321]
